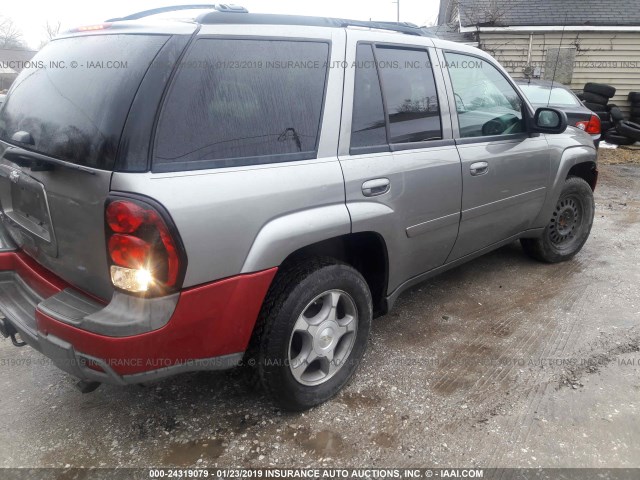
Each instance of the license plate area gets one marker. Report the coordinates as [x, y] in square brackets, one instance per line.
[25, 210]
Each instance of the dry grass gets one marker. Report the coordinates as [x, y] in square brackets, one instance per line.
[621, 155]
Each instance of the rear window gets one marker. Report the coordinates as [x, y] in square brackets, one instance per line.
[243, 102]
[75, 96]
[539, 95]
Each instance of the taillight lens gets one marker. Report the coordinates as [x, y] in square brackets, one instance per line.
[129, 251]
[145, 256]
[593, 126]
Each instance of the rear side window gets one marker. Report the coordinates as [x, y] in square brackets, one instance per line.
[405, 110]
[410, 94]
[368, 127]
[75, 97]
[243, 102]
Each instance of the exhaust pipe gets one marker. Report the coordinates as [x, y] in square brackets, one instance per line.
[87, 387]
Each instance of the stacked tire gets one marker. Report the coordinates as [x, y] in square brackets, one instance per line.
[624, 132]
[596, 98]
[634, 99]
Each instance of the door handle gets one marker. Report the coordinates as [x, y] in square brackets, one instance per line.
[373, 188]
[479, 168]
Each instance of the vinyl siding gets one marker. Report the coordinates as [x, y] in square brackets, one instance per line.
[604, 57]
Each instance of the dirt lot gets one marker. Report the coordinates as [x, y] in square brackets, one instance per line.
[502, 362]
[620, 156]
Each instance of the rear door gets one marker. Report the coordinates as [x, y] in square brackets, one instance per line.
[505, 169]
[401, 167]
[60, 131]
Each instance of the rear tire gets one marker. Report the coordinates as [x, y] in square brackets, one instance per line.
[595, 98]
[595, 107]
[629, 129]
[616, 114]
[569, 227]
[634, 97]
[312, 333]
[613, 137]
[601, 89]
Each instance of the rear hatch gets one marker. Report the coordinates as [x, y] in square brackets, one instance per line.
[60, 130]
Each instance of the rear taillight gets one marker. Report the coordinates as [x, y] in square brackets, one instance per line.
[145, 255]
[592, 127]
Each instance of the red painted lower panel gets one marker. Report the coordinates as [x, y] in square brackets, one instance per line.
[209, 321]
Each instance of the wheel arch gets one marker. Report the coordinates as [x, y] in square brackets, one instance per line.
[364, 251]
[588, 171]
[574, 161]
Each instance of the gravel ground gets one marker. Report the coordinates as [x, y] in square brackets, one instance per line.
[503, 362]
[618, 156]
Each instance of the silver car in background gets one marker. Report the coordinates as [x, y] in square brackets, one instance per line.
[544, 93]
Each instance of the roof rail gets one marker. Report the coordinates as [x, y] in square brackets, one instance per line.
[269, 19]
[220, 7]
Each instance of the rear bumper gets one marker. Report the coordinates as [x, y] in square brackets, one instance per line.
[208, 328]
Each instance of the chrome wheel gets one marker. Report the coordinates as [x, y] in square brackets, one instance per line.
[323, 337]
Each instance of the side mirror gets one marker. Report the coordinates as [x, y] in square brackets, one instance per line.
[550, 120]
[23, 137]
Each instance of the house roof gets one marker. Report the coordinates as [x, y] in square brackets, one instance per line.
[505, 13]
[447, 32]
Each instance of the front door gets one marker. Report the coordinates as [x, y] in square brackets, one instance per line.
[505, 169]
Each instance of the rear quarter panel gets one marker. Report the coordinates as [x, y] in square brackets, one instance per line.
[221, 214]
[244, 219]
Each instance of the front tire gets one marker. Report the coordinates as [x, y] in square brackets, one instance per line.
[312, 332]
[569, 226]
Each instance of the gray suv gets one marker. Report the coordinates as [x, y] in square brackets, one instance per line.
[245, 189]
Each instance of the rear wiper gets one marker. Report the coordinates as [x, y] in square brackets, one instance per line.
[38, 162]
[27, 161]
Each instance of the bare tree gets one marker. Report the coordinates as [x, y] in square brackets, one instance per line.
[51, 30]
[10, 34]
[486, 13]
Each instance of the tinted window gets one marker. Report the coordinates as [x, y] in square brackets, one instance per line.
[243, 102]
[486, 102]
[368, 127]
[540, 95]
[76, 112]
[410, 95]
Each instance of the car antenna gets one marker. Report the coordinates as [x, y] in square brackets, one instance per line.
[564, 25]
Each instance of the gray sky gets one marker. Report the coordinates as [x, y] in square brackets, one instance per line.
[31, 15]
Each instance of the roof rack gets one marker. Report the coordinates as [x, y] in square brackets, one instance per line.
[234, 15]
[231, 18]
[220, 7]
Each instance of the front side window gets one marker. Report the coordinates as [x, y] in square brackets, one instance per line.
[486, 102]
[243, 102]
